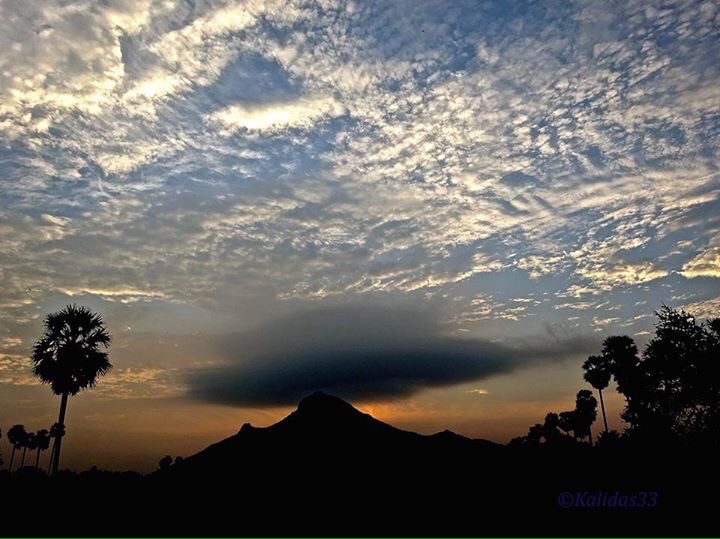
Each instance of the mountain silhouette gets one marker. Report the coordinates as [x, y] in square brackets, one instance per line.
[328, 467]
[326, 429]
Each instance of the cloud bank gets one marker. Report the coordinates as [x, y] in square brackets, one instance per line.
[357, 353]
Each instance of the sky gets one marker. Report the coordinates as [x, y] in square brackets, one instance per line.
[437, 210]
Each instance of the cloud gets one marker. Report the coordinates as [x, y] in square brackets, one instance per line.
[122, 295]
[250, 157]
[705, 264]
[194, 54]
[303, 113]
[357, 352]
[140, 383]
[708, 308]
[636, 273]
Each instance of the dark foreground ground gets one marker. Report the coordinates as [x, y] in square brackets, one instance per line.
[329, 470]
[500, 495]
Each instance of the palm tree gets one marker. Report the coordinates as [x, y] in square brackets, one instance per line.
[56, 431]
[42, 437]
[31, 444]
[585, 413]
[622, 354]
[598, 370]
[16, 436]
[70, 358]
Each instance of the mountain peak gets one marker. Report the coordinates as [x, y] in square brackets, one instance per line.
[325, 428]
[323, 401]
[246, 427]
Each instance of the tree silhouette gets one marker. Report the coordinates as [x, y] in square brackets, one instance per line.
[609, 440]
[598, 370]
[535, 434]
[42, 438]
[681, 374]
[550, 428]
[533, 437]
[622, 355]
[70, 358]
[672, 392]
[568, 423]
[585, 413]
[165, 462]
[56, 431]
[31, 444]
[16, 436]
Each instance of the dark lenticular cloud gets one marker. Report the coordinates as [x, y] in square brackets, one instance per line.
[356, 353]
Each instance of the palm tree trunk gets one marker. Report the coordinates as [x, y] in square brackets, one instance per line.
[602, 407]
[37, 459]
[58, 439]
[12, 458]
[590, 436]
[22, 461]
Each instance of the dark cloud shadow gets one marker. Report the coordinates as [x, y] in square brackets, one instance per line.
[357, 353]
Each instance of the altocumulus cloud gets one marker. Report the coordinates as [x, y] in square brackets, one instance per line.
[358, 353]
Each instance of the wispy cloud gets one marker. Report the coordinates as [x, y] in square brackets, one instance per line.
[303, 113]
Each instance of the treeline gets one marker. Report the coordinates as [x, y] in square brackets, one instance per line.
[671, 390]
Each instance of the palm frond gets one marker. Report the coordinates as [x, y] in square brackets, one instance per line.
[70, 355]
